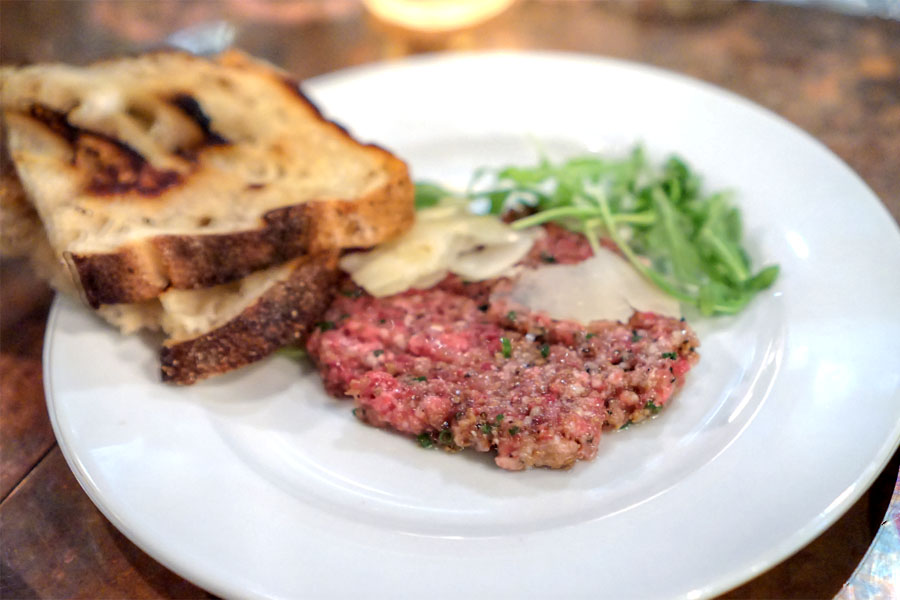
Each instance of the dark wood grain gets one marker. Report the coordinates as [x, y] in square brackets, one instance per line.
[56, 544]
[836, 76]
[23, 310]
[25, 434]
[819, 569]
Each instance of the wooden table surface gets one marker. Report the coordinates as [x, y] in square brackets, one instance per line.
[836, 76]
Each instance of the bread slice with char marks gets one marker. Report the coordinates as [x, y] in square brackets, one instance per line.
[171, 171]
[209, 331]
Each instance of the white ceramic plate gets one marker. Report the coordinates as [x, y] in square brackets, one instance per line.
[257, 484]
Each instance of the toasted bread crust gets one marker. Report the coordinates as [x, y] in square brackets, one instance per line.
[285, 314]
[123, 274]
[198, 261]
[366, 221]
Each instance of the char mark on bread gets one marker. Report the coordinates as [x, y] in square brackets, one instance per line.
[115, 167]
[189, 105]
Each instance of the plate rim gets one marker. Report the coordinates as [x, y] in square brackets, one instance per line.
[86, 482]
[724, 581]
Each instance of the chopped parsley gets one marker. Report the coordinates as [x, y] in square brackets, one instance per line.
[625, 426]
[511, 315]
[378, 352]
[499, 418]
[292, 352]
[548, 258]
[486, 428]
[425, 440]
[353, 293]
[514, 430]
[635, 336]
[445, 437]
[545, 350]
[653, 408]
[590, 335]
[506, 346]
[671, 355]
[325, 325]
[420, 378]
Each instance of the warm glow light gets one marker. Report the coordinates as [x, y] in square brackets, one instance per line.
[436, 15]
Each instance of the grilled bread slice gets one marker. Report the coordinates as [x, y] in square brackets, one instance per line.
[174, 171]
[209, 331]
[254, 317]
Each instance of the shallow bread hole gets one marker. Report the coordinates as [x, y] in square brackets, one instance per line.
[204, 221]
[143, 117]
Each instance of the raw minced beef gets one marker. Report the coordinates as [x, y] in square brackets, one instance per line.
[452, 367]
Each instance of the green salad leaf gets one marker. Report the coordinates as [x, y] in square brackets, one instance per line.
[429, 194]
[292, 352]
[685, 241]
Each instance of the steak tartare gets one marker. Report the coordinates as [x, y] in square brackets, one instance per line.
[458, 370]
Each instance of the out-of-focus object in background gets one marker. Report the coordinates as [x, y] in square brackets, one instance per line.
[209, 37]
[878, 575]
[673, 9]
[150, 22]
[436, 15]
[889, 9]
[292, 11]
[143, 22]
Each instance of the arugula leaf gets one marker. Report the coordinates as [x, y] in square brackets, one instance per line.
[763, 279]
[686, 242]
[429, 194]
